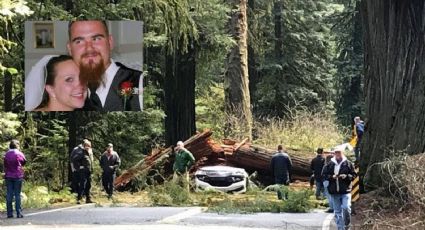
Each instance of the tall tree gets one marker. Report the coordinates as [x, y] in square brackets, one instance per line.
[394, 38]
[236, 83]
[179, 88]
[349, 77]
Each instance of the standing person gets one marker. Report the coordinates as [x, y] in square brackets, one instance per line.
[75, 161]
[316, 167]
[112, 86]
[14, 160]
[281, 166]
[359, 130]
[340, 173]
[84, 162]
[326, 184]
[109, 162]
[182, 163]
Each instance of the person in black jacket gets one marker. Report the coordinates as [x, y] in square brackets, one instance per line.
[340, 173]
[281, 166]
[82, 164]
[109, 162]
[316, 167]
[328, 159]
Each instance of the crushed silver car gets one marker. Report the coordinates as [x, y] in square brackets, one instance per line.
[221, 178]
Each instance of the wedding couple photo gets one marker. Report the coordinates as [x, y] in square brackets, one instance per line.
[83, 65]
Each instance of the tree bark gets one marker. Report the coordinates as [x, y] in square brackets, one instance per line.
[207, 152]
[394, 81]
[179, 89]
[72, 139]
[7, 92]
[256, 158]
[277, 8]
[252, 56]
[236, 83]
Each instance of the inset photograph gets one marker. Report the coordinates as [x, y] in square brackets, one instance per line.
[83, 65]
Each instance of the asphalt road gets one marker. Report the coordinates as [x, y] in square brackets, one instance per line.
[161, 218]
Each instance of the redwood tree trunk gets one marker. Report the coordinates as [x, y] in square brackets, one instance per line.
[179, 87]
[253, 73]
[236, 83]
[394, 80]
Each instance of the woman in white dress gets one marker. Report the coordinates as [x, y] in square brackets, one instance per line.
[61, 87]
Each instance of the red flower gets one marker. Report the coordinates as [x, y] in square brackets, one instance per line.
[126, 88]
[126, 85]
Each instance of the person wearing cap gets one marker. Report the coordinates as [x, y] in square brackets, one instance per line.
[340, 173]
[82, 163]
[14, 161]
[316, 167]
[182, 163]
[109, 162]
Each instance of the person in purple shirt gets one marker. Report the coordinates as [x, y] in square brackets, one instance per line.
[14, 160]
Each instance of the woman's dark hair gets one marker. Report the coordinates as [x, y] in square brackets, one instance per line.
[50, 75]
[13, 144]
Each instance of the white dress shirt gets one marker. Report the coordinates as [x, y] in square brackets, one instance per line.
[103, 90]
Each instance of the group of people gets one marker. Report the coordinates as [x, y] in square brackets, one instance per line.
[82, 168]
[333, 175]
[86, 79]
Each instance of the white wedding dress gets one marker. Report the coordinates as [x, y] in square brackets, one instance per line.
[34, 83]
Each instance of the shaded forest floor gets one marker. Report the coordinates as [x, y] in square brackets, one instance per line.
[374, 211]
[400, 203]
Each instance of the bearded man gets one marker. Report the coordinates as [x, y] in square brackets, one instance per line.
[112, 86]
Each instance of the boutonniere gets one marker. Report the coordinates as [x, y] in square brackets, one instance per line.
[127, 90]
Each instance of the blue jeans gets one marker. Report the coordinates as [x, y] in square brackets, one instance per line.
[13, 187]
[319, 187]
[328, 196]
[342, 210]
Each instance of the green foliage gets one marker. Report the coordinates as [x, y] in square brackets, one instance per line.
[132, 133]
[261, 201]
[298, 201]
[349, 61]
[210, 111]
[9, 125]
[12, 15]
[37, 196]
[302, 130]
[301, 71]
[169, 193]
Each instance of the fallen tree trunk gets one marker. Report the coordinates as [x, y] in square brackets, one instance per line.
[207, 152]
[257, 158]
[198, 142]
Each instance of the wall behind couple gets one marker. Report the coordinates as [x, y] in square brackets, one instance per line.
[50, 37]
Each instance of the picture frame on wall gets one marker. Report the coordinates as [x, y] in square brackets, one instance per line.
[44, 35]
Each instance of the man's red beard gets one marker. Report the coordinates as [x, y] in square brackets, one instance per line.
[92, 73]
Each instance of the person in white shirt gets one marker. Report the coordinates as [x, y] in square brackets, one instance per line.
[112, 86]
